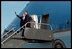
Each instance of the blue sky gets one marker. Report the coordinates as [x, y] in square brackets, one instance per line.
[7, 11]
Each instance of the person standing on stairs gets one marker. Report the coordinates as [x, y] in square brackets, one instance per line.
[23, 20]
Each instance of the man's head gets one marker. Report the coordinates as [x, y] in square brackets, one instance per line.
[25, 13]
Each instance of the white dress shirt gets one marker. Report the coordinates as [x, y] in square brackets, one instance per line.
[23, 17]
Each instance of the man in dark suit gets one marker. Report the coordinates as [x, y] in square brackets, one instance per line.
[23, 20]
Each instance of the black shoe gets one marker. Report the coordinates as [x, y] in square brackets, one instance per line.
[22, 36]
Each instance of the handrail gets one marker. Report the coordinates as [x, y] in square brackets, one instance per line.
[47, 24]
[39, 24]
[22, 27]
[7, 32]
[11, 35]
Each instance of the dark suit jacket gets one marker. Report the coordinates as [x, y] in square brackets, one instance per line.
[23, 22]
